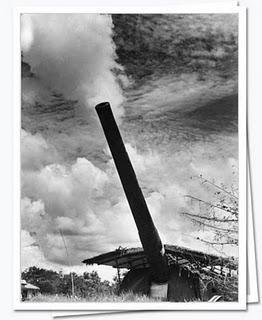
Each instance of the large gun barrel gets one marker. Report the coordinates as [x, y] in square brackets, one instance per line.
[147, 231]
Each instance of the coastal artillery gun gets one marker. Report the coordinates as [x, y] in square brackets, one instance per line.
[164, 272]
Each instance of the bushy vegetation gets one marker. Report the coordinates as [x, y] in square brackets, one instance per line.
[57, 287]
[88, 285]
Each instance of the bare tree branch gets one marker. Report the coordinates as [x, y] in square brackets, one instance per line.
[208, 218]
[204, 180]
[211, 205]
[214, 227]
[217, 243]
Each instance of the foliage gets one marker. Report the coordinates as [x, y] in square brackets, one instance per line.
[54, 283]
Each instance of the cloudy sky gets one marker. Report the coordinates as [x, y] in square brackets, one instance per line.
[172, 84]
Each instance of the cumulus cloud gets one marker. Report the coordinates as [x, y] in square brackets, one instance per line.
[88, 205]
[35, 151]
[73, 54]
[31, 254]
[82, 201]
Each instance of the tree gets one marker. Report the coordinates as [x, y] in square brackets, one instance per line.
[219, 217]
[220, 214]
[51, 282]
[46, 280]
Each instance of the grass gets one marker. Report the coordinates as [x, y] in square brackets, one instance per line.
[227, 287]
[124, 297]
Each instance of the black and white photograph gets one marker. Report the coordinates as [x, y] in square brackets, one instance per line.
[132, 160]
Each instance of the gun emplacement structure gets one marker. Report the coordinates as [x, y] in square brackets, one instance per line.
[167, 272]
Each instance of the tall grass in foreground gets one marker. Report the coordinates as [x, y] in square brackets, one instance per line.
[123, 297]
